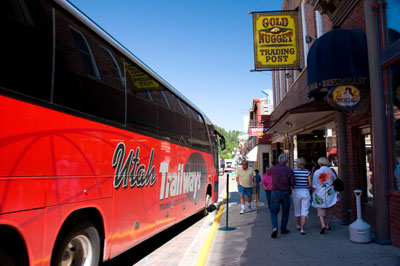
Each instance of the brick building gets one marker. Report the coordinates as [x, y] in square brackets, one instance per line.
[257, 147]
[362, 141]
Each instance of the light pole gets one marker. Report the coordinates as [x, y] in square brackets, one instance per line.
[266, 93]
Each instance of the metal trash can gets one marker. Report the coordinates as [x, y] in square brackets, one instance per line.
[360, 231]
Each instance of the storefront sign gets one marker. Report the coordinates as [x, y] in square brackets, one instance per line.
[345, 96]
[243, 137]
[258, 131]
[325, 85]
[275, 40]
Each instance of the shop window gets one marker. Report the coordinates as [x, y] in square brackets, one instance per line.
[394, 78]
[393, 20]
[365, 163]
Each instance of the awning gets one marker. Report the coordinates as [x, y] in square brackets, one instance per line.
[301, 116]
[336, 58]
[252, 154]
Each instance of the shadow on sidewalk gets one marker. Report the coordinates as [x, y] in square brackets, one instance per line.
[251, 242]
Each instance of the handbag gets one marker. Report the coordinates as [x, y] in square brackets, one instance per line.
[338, 184]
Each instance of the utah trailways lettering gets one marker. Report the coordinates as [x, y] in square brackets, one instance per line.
[175, 184]
[131, 170]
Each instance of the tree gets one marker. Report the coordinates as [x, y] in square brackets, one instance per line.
[231, 140]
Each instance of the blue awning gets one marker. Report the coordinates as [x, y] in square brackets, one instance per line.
[336, 58]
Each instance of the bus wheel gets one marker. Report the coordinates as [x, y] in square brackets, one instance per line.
[207, 204]
[79, 246]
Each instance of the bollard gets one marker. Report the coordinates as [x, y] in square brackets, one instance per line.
[227, 228]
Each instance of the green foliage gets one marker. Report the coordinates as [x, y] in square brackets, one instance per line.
[231, 139]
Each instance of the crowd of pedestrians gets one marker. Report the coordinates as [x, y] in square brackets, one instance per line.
[281, 183]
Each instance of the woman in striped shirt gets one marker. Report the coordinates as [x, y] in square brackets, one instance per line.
[301, 193]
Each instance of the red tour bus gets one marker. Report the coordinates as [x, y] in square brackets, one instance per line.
[98, 153]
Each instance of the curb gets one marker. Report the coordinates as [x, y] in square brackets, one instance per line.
[202, 258]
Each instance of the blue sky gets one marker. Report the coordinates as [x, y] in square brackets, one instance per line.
[202, 48]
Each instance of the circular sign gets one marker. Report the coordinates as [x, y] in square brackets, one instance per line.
[345, 96]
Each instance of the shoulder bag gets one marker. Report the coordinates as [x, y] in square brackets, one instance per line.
[338, 184]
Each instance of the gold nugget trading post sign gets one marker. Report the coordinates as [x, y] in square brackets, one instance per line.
[275, 40]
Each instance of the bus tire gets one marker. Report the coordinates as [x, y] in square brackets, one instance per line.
[207, 204]
[79, 246]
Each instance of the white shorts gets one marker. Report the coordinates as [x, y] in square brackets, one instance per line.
[301, 201]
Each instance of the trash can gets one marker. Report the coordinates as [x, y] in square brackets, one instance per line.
[360, 231]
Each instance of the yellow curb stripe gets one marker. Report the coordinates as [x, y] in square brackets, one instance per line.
[202, 259]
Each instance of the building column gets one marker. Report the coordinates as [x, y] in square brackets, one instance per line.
[343, 166]
[379, 139]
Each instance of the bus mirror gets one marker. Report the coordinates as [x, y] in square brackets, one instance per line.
[222, 142]
[221, 139]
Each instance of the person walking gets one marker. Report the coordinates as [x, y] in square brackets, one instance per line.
[301, 193]
[324, 196]
[244, 179]
[266, 182]
[282, 183]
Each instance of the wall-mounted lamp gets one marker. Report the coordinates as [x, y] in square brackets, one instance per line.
[289, 124]
[288, 76]
[309, 39]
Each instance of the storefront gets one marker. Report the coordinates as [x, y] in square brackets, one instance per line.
[383, 33]
[351, 114]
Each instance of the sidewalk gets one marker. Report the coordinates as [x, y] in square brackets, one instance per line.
[251, 242]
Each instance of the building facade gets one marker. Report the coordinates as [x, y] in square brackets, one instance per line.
[362, 139]
[257, 149]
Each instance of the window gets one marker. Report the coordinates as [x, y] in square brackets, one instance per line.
[86, 54]
[365, 164]
[26, 58]
[114, 67]
[393, 20]
[394, 77]
[200, 138]
[74, 85]
[142, 99]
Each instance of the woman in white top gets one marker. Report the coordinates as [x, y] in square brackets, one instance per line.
[324, 196]
[301, 193]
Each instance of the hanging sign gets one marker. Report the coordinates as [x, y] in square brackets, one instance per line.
[275, 40]
[258, 131]
[345, 96]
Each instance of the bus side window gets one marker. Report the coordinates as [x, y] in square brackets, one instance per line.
[142, 99]
[200, 138]
[26, 48]
[167, 122]
[77, 80]
[85, 53]
[115, 78]
[183, 127]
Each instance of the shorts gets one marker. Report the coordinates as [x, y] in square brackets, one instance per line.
[245, 190]
[325, 212]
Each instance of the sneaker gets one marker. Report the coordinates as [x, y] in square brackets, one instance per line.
[249, 208]
[302, 232]
[274, 233]
[241, 211]
[285, 231]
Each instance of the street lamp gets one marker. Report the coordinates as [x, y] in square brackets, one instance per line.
[266, 93]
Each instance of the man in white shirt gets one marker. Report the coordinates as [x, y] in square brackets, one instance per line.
[244, 179]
